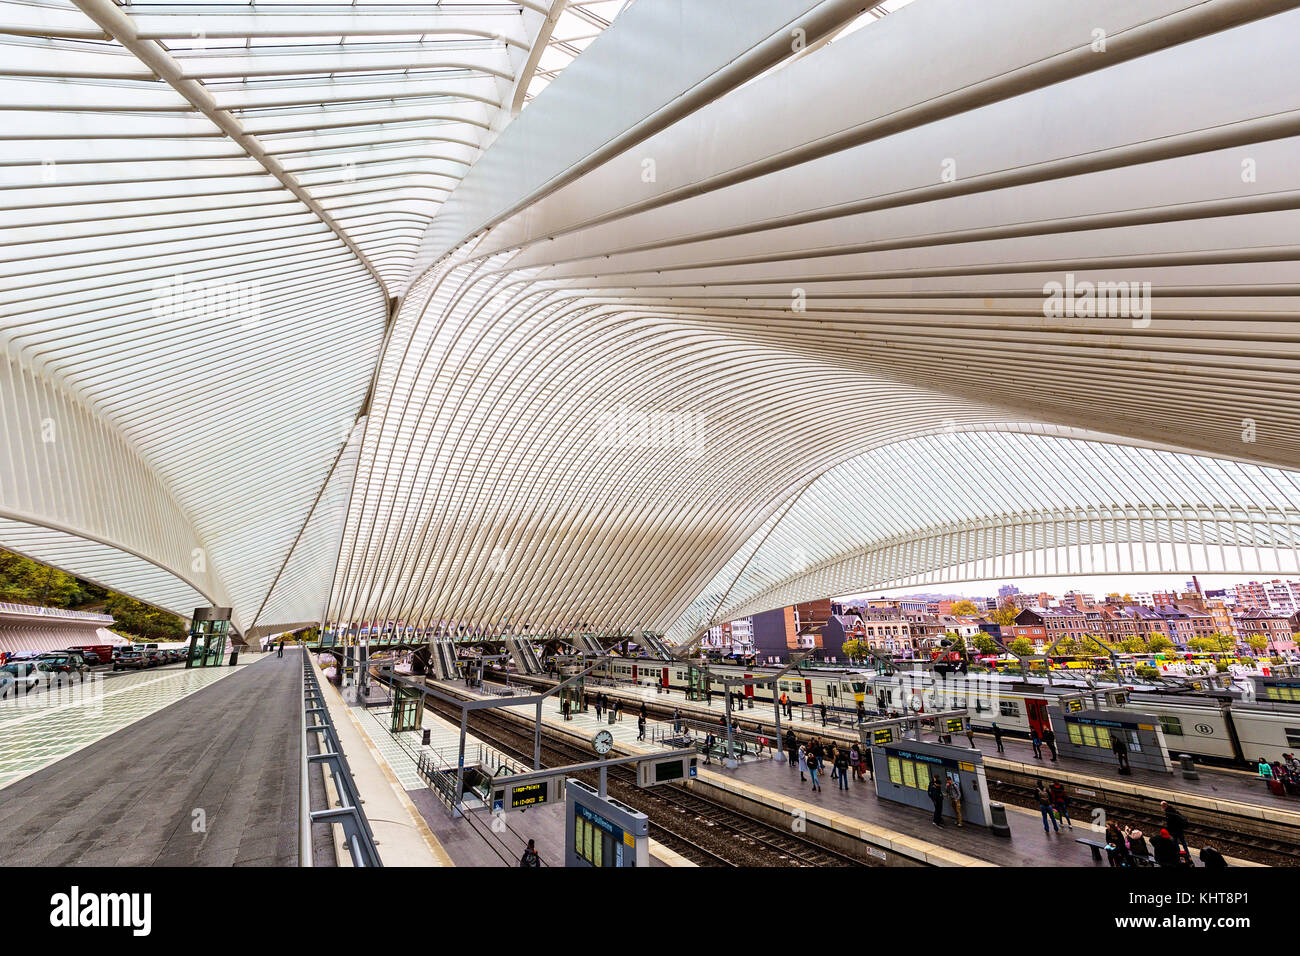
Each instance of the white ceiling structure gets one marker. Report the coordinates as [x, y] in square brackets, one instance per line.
[486, 314]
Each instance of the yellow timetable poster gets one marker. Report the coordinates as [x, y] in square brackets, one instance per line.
[923, 776]
[909, 773]
[895, 771]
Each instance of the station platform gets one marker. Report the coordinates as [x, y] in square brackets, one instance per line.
[476, 838]
[856, 813]
[171, 768]
[1218, 789]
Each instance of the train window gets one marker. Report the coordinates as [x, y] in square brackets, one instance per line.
[1172, 726]
[1008, 708]
[1293, 736]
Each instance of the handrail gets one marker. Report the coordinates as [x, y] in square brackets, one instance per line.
[40, 610]
[317, 720]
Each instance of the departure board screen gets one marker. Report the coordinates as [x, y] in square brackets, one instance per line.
[528, 795]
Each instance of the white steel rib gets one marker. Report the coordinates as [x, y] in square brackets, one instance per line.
[728, 305]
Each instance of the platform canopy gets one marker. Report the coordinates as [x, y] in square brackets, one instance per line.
[484, 314]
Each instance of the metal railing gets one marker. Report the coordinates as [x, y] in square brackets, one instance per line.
[356, 828]
[38, 610]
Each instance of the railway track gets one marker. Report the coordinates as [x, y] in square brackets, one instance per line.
[701, 830]
[1246, 846]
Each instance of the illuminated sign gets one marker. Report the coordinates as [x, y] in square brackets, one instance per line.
[883, 736]
[528, 795]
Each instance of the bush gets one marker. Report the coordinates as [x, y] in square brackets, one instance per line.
[1148, 672]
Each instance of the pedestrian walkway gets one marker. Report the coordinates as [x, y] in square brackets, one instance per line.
[199, 768]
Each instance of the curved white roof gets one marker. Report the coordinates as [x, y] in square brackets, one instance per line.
[304, 311]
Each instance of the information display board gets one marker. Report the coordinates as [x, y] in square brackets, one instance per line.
[602, 832]
[655, 771]
[509, 795]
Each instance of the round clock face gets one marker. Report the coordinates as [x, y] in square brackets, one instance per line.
[602, 742]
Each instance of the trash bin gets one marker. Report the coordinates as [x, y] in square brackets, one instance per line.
[611, 717]
[234, 658]
[998, 820]
[426, 737]
[1189, 767]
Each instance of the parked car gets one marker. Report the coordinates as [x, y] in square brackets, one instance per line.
[155, 658]
[25, 675]
[129, 660]
[62, 666]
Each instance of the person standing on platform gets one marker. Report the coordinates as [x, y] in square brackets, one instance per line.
[814, 765]
[785, 704]
[677, 720]
[791, 748]
[530, 859]
[709, 740]
[842, 768]
[1164, 849]
[822, 707]
[564, 707]
[1045, 806]
[855, 758]
[970, 735]
[1037, 741]
[279, 651]
[936, 798]
[997, 737]
[803, 763]
[1060, 803]
[618, 709]
[1116, 846]
[598, 708]
[1120, 750]
[640, 727]
[1049, 738]
[643, 713]
[953, 792]
[1176, 824]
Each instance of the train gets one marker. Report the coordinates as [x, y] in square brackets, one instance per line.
[1215, 717]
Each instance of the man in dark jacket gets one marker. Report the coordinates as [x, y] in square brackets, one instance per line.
[1212, 859]
[936, 797]
[1176, 824]
[792, 748]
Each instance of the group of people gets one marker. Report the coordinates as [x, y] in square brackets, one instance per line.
[812, 757]
[949, 791]
[1126, 846]
[1283, 776]
[1046, 738]
[1053, 804]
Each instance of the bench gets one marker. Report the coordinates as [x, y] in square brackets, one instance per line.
[1094, 846]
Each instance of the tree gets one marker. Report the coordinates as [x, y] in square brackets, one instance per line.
[143, 622]
[854, 649]
[964, 609]
[1257, 643]
[985, 644]
[1157, 643]
[1201, 644]
[23, 581]
[1133, 645]
[1021, 647]
[1222, 642]
[1005, 615]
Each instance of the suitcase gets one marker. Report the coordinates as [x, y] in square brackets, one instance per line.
[1276, 787]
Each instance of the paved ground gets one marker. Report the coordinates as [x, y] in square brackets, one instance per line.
[208, 780]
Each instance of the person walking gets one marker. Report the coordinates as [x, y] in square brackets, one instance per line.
[842, 768]
[791, 748]
[1049, 738]
[640, 727]
[1176, 824]
[970, 735]
[953, 792]
[1060, 803]
[530, 859]
[1120, 749]
[1045, 806]
[803, 763]
[997, 737]
[1037, 742]
[935, 792]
